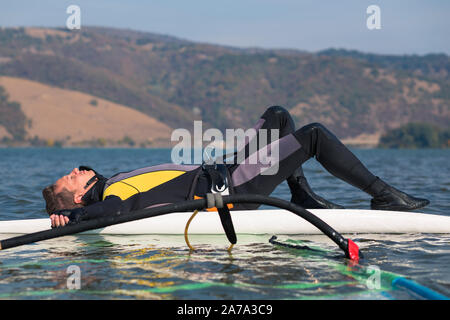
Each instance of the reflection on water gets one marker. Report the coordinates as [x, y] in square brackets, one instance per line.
[162, 267]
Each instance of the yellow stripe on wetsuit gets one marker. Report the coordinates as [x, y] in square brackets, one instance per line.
[140, 183]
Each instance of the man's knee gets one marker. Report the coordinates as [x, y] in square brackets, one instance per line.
[315, 128]
[279, 118]
[277, 111]
[279, 115]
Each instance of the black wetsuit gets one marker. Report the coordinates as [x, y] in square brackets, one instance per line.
[294, 146]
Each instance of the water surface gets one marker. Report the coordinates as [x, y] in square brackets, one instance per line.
[161, 267]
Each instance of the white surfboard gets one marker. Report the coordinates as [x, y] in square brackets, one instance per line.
[263, 222]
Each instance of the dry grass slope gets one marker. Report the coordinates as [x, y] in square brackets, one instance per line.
[74, 117]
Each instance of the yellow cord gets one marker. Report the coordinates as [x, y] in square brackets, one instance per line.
[186, 230]
[186, 233]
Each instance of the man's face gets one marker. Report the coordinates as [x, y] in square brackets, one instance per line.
[75, 181]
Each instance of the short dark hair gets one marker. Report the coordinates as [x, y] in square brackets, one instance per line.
[58, 201]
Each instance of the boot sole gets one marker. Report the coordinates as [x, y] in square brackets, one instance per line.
[401, 207]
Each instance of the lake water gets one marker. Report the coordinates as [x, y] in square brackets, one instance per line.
[161, 267]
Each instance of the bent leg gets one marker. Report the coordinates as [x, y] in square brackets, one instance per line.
[251, 177]
[278, 118]
[314, 140]
[274, 118]
[317, 141]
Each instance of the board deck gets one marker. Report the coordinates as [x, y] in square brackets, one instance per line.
[263, 222]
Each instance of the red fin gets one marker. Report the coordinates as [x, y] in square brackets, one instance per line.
[352, 250]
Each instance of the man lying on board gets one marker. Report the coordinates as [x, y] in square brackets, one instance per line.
[84, 194]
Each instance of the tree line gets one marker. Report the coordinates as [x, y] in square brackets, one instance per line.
[415, 136]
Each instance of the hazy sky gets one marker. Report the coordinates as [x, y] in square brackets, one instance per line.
[407, 26]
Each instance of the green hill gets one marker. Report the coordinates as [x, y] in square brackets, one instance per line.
[352, 93]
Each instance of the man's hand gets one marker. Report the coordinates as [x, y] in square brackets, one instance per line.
[59, 220]
[63, 217]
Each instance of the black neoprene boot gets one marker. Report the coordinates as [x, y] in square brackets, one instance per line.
[304, 196]
[386, 197]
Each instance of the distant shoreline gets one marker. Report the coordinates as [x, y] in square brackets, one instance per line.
[365, 147]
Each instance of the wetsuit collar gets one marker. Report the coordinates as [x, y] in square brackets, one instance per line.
[95, 193]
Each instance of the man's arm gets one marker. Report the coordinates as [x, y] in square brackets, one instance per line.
[112, 205]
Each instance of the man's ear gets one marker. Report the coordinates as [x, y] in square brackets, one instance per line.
[77, 197]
